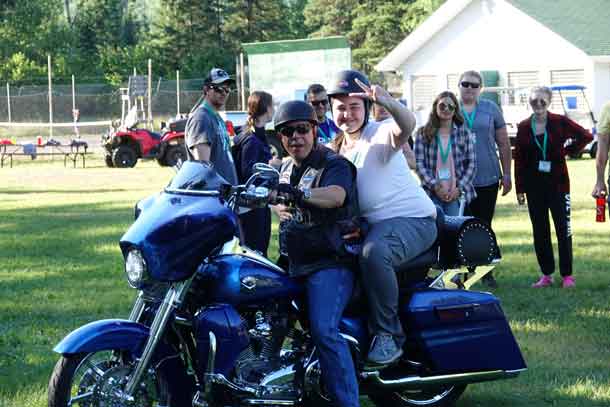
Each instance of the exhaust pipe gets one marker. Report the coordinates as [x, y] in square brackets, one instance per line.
[417, 382]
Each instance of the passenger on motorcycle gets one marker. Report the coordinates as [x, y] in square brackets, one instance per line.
[400, 214]
[322, 187]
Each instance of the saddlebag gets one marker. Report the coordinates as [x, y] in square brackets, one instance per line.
[460, 331]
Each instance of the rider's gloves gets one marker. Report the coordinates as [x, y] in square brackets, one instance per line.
[290, 194]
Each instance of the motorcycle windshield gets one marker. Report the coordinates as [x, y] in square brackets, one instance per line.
[196, 178]
[178, 228]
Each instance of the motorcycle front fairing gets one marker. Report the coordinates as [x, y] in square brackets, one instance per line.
[177, 229]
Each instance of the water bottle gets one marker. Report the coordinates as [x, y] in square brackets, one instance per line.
[600, 215]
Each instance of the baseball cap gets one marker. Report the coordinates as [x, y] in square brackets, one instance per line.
[218, 76]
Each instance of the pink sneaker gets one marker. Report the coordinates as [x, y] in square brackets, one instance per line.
[568, 282]
[545, 281]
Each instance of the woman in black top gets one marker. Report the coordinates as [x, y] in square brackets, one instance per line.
[251, 147]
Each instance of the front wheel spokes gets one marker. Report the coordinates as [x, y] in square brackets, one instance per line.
[80, 398]
[97, 372]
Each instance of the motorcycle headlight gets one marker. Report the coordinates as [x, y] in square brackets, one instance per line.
[135, 268]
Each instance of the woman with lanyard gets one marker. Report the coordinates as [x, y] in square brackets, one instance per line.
[445, 156]
[541, 175]
[486, 123]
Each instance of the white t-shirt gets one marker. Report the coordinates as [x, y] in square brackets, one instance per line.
[386, 186]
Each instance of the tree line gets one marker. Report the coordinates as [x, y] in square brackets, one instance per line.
[103, 40]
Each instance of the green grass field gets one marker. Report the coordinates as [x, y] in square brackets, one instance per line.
[60, 267]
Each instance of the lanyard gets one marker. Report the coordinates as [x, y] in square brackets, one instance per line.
[469, 116]
[444, 153]
[224, 136]
[324, 136]
[544, 142]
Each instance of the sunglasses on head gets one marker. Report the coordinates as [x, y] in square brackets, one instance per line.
[288, 131]
[446, 107]
[316, 103]
[473, 85]
[538, 102]
[221, 89]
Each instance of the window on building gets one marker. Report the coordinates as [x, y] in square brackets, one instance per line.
[523, 81]
[452, 82]
[572, 99]
[423, 89]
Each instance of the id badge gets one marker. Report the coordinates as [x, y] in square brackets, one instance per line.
[544, 166]
[474, 137]
[444, 174]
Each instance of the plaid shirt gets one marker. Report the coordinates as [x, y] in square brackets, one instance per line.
[527, 154]
[464, 159]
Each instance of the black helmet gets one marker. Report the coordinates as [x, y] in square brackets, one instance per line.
[295, 110]
[344, 83]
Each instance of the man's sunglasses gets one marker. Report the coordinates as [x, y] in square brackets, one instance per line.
[221, 89]
[446, 107]
[538, 102]
[288, 131]
[473, 85]
[317, 103]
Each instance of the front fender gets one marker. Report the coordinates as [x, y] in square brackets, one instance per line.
[105, 334]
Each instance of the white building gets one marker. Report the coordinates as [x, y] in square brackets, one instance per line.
[520, 43]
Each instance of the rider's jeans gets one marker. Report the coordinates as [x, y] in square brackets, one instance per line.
[328, 292]
[389, 243]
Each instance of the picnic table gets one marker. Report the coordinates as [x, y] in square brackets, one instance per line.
[74, 151]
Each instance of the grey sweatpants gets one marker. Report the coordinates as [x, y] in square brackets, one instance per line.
[388, 244]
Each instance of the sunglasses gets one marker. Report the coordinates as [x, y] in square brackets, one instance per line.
[221, 89]
[288, 131]
[446, 107]
[316, 103]
[473, 85]
[538, 102]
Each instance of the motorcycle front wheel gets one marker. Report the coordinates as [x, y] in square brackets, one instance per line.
[97, 379]
[434, 397]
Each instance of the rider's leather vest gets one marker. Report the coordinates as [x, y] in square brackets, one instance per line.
[312, 239]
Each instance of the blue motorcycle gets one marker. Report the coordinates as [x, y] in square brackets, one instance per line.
[217, 324]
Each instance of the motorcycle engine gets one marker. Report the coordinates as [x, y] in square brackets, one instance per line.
[271, 362]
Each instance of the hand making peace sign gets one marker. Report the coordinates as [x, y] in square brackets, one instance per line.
[374, 93]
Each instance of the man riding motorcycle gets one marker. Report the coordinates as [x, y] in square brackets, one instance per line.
[322, 186]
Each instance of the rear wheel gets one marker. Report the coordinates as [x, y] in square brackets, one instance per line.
[175, 154]
[97, 379]
[124, 156]
[442, 396]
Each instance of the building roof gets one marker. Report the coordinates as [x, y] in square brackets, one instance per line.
[309, 44]
[584, 23]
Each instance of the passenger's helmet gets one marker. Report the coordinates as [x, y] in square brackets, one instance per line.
[344, 83]
[295, 110]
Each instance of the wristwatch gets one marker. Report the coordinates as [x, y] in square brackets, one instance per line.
[306, 194]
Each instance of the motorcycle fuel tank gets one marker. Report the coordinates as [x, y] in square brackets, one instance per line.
[241, 279]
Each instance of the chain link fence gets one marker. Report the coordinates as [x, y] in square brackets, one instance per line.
[27, 115]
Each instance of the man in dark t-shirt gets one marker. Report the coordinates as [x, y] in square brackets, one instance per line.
[317, 98]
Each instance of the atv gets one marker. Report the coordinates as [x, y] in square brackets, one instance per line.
[124, 144]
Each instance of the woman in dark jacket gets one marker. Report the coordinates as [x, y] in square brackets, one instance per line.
[541, 175]
[251, 147]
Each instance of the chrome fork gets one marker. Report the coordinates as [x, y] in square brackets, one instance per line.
[138, 307]
[173, 299]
